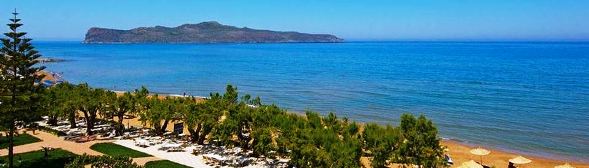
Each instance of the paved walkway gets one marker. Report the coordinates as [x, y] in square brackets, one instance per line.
[50, 140]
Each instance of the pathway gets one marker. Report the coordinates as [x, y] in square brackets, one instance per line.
[143, 160]
[50, 140]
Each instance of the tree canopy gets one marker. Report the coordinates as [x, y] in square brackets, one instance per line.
[309, 140]
[19, 98]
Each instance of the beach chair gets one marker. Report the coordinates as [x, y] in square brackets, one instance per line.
[449, 160]
[175, 149]
[84, 139]
[484, 166]
[81, 139]
[195, 151]
[511, 165]
[70, 137]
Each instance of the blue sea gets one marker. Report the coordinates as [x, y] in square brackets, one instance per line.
[531, 98]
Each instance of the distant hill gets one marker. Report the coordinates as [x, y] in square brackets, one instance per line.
[205, 32]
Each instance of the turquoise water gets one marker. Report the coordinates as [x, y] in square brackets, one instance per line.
[526, 97]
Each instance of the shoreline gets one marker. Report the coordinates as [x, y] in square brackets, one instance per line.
[544, 155]
[459, 150]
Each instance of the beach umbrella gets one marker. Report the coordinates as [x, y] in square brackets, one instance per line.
[470, 164]
[566, 165]
[520, 160]
[480, 152]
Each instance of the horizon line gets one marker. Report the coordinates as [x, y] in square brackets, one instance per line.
[381, 40]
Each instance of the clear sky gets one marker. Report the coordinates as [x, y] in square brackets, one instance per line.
[487, 20]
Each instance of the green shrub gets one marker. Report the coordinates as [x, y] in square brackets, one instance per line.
[102, 162]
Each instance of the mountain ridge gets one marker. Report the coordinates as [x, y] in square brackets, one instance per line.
[204, 32]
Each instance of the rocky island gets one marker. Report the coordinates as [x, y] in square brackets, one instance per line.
[205, 32]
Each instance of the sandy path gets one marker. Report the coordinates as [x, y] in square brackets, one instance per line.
[58, 142]
[143, 160]
[53, 141]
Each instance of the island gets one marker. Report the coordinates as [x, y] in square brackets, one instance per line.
[205, 32]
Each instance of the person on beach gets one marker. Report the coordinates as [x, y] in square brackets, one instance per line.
[511, 165]
[33, 128]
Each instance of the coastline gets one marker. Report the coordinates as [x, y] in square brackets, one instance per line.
[458, 151]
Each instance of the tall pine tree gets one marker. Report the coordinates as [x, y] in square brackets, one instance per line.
[18, 73]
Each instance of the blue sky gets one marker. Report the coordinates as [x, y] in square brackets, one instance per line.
[485, 20]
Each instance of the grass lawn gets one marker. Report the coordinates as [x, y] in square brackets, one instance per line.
[117, 150]
[21, 139]
[56, 159]
[164, 164]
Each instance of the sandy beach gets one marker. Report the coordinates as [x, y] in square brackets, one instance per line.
[460, 153]
[427, 84]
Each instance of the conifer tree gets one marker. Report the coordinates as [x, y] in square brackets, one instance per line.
[18, 73]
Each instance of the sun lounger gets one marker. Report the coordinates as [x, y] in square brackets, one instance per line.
[142, 143]
[175, 149]
[81, 139]
[449, 160]
[70, 137]
[86, 139]
[110, 136]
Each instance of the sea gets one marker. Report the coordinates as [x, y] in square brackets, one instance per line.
[526, 97]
